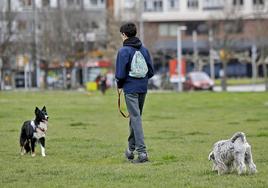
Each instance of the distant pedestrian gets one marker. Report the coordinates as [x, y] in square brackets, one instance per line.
[103, 84]
[133, 69]
[97, 80]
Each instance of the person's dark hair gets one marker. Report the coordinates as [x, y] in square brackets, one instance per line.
[129, 29]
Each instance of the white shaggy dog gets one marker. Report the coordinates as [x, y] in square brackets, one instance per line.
[235, 153]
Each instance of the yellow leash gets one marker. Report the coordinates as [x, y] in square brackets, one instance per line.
[119, 91]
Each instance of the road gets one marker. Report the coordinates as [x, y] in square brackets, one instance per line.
[242, 88]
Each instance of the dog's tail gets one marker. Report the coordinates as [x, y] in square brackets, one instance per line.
[238, 135]
[211, 156]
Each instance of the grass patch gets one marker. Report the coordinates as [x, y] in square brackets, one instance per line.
[262, 134]
[252, 120]
[87, 137]
[243, 81]
[196, 133]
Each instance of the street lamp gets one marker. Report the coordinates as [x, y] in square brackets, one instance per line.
[211, 57]
[196, 63]
[253, 63]
[141, 5]
[179, 56]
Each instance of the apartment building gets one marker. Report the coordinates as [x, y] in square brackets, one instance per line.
[162, 17]
[125, 10]
[89, 14]
[239, 25]
[46, 29]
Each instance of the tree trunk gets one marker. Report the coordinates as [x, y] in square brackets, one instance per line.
[224, 77]
[13, 82]
[264, 66]
[1, 79]
[45, 75]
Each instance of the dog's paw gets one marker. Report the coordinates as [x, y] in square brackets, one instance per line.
[253, 171]
[43, 154]
[22, 151]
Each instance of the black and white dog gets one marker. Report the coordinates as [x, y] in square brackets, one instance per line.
[32, 131]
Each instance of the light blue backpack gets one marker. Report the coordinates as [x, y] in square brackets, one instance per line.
[138, 68]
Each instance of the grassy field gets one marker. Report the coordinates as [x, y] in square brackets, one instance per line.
[240, 81]
[87, 137]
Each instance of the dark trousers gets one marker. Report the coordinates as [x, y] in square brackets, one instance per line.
[135, 102]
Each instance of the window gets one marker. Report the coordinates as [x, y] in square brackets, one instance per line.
[145, 6]
[213, 4]
[94, 25]
[153, 5]
[238, 3]
[198, 26]
[70, 2]
[45, 3]
[173, 29]
[73, 2]
[236, 26]
[94, 2]
[192, 4]
[258, 4]
[39, 26]
[168, 29]
[26, 3]
[129, 4]
[158, 6]
[78, 26]
[22, 25]
[163, 29]
[173, 4]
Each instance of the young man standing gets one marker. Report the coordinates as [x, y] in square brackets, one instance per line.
[133, 69]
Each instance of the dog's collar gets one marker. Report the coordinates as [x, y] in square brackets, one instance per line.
[43, 130]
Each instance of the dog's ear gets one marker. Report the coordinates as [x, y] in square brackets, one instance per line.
[36, 110]
[44, 109]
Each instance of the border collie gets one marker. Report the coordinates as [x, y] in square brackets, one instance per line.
[32, 131]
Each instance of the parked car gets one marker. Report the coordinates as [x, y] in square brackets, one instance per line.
[198, 81]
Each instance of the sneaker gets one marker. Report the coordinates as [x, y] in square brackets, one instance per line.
[129, 154]
[142, 158]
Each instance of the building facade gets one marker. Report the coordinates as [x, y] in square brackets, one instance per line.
[49, 30]
[164, 16]
[236, 25]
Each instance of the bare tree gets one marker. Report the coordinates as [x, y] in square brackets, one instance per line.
[225, 28]
[113, 37]
[7, 35]
[66, 36]
[260, 35]
[55, 39]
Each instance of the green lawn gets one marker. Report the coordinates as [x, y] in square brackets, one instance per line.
[240, 81]
[87, 137]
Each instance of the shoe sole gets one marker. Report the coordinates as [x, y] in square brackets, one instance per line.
[139, 162]
[129, 157]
